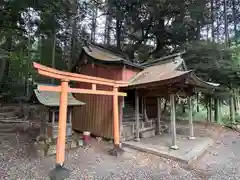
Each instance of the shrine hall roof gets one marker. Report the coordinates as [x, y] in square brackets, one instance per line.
[107, 55]
[158, 73]
[168, 73]
[53, 98]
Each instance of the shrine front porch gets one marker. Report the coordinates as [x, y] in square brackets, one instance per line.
[189, 150]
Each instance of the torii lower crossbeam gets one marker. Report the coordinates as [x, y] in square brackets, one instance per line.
[60, 173]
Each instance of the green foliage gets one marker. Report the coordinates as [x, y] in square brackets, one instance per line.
[168, 23]
[214, 62]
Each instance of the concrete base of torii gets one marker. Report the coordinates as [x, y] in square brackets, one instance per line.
[59, 173]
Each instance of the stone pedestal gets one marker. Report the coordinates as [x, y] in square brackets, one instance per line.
[47, 147]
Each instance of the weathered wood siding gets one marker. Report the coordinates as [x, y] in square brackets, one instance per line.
[97, 115]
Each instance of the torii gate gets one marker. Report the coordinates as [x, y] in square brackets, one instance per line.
[60, 172]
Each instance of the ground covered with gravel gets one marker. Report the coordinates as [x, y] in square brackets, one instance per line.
[18, 162]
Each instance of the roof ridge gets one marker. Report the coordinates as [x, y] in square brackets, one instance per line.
[164, 59]
[110, 50]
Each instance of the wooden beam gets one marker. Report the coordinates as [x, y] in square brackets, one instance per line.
[77, 79]
[94, 87]
[78, 90]
[61, 140]
[54, 73]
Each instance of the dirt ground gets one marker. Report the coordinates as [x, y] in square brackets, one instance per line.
[19, 162]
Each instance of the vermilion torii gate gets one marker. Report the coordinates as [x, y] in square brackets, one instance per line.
[60, 172]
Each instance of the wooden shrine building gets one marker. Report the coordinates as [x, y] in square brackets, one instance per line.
[148, 83]
[96, 116]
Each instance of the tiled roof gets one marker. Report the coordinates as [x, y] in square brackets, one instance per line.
[53, 98]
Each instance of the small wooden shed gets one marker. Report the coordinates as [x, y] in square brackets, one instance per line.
[48, 107]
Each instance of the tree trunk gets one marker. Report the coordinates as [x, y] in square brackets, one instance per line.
[198, 102]
[218, 22]
[108, 24]
[183, 108]
[164, 109]
[53, 51]
[198, 30]
[207, 32]
[94, 23]
[225, 23]
[74, 35]
[4, 69]
[234, 20]
[3, 64]
[212, 20]
[118, 33]
[160, 37]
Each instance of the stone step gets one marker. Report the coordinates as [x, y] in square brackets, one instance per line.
[147, 133]
[9, 108]
[9, 114]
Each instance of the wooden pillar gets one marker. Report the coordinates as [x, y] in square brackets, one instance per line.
[231, 109]
[190, 117]
[142, 107]
[210, 110]
[116, 125]
[137, 116]
[145, 117]
[61, 140]
[121, 117]
[116, 119]
[158, 115]
[173, 122]
[70, 115]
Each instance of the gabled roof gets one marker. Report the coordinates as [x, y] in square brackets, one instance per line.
[52, 99]
[166, 72]
[160, 72]
[104, 55]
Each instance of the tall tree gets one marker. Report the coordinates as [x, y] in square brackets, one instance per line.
[234, 19]
[212, 20]
[225, 22]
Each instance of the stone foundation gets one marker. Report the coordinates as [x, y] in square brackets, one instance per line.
[47, 147]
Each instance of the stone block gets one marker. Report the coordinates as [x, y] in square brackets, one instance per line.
[73, 144]
[147, 133]
[80, 142]
[40, 153]
[51, 150]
